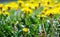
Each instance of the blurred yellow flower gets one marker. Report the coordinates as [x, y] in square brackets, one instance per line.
[21, 3]
[50, 13]
[0, 12]
[7, 7]
[36, 5]
[43, 14]
[28, 5]
[32, 1]
[45, 9]
[48, 3]
[1, 6]
[6, 13]
[27, 10]
[25, 29]
[14, 5]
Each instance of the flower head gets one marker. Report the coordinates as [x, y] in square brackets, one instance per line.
[25, 29]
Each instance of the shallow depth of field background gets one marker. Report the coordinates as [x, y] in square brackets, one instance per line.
[29, 18]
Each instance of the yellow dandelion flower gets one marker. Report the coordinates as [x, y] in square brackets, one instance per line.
[6, 13]
[36, 5]
[27, 10]
[32, 6]
[50, 13]
[43, 14]
[7, 7]
[25, 29]
[0, 12]
[14, 5]
[27, 4]
[57, 5]
[32, 1]
[45, 9]
[57, 8]
[1, 6]
[39, 3]
[48, 3]
[21, 3]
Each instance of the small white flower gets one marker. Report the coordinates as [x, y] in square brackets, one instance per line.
[22, 26]
[48, 21]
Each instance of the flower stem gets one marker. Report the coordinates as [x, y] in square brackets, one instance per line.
[52, 27]
[43, 29]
